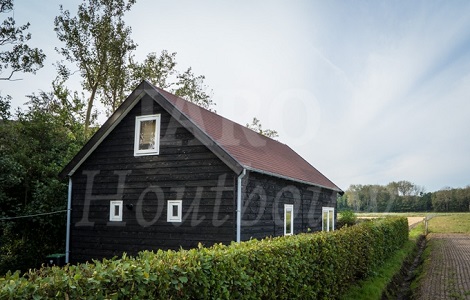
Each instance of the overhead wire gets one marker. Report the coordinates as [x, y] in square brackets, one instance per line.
[35, 215]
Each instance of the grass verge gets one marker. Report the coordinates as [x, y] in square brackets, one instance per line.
[420, 271]
[373, 287]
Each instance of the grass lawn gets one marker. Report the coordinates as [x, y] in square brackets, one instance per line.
[450, 223]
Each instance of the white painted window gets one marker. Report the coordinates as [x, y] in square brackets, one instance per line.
[175, 210]
[288, 219]
[328, 218]
[115, 210]
[147, 135]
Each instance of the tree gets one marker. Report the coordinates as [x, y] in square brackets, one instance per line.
[5, 108]
[34, 147]
[159, 70]
[192, 88]
[342, 203]
[425, 202]
[353, 196]
[441, 199]
[403, 196]
[394, 197]
[16, 55]
[463, 199]
[257, 127]
[156, 68]
[98, 43]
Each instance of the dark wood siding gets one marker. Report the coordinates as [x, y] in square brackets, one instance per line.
[184, 170]
[264, 197]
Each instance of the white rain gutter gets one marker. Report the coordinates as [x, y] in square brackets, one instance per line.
[239, 204]
[69, 211]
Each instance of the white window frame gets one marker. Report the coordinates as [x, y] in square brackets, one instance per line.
[329, 211]
[112, 211]
[289, 207]
[170, 217]
[138, 121]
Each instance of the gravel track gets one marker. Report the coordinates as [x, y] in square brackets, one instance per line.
[447, 274]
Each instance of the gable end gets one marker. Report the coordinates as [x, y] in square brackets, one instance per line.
[143, 89]
[103, 132]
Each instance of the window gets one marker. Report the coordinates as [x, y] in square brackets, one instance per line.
[175, 210]
[115, 210]
[328, 218]
[147, 135]
[288, 219]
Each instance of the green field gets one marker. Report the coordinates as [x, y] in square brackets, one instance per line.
[450, 223]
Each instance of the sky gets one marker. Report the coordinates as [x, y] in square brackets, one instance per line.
[368, 92]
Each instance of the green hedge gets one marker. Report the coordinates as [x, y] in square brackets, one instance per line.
[304, 266]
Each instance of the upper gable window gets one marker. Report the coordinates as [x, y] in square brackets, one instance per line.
[147, 135]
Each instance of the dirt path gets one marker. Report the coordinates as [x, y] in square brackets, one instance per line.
[447, 275]
[413, 221]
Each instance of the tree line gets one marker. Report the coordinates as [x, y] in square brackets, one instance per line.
[403, 196]
[37, 141]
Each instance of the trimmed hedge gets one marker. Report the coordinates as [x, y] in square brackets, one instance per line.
[304, 266]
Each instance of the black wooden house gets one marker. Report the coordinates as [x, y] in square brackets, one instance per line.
[164, 173]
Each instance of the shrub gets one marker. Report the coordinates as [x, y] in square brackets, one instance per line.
[346, 218]
[304, 266]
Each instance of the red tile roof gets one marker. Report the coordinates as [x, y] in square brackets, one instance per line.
[235, 144]
[250, 149]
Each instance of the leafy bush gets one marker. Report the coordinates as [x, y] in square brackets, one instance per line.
[346, 218]
[304, 266]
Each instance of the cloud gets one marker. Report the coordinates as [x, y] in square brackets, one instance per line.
[367, 92]
[406, 111]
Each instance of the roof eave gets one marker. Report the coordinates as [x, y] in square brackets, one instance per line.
[293, 179]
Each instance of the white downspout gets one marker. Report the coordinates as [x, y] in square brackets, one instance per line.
[239, 204]
[69, 210]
